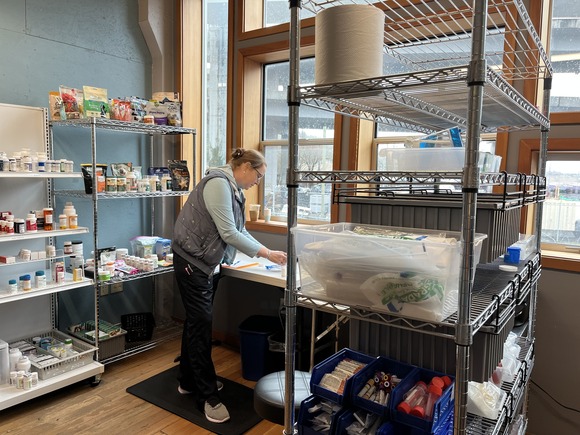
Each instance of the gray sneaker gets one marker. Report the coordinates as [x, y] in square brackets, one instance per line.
[216, 414]
[220, 386]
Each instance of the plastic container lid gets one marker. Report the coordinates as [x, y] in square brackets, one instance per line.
[434, 389]
[12, 281]
[438, 382]
[404, 407]
[446, 380]
[418, 411]
[39, 273]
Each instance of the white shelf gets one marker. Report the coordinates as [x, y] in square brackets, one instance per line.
[10, 395]
[41, 234]
[19, 262]
[69, 284]
[5, 174]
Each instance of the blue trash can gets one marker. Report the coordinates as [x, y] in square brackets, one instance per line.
[257, 358]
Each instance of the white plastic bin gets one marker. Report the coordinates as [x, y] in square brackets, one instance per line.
[405, 271]
[435, 159]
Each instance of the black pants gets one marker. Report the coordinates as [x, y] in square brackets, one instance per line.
[197, 372]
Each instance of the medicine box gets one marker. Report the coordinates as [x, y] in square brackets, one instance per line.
[404, 271]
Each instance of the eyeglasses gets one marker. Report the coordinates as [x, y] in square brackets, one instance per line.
[260, 175]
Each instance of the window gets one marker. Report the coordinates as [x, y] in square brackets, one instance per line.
[561, 211]
[277, 12]
[315, 153]
[215, 65]
[565, 56]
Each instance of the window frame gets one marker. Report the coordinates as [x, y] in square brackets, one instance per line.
[527, 163]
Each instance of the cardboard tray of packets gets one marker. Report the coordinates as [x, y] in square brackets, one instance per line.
[54, 353]
[111, 337]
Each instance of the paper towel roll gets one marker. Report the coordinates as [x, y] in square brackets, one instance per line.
[349, 43]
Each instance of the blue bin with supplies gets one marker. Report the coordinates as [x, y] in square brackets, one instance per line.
[255, 337]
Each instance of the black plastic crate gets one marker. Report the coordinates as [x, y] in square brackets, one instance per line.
[139, 326]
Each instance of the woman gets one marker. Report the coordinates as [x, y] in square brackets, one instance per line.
[210, 229]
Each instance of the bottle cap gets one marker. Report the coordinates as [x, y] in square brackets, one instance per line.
[12, 281]
[404, 407]
[39, 273]
[434, 389]
[418, 411]
[446, 380]
[437, 381]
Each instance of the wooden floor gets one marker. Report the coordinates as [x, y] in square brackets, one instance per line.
[109, 409]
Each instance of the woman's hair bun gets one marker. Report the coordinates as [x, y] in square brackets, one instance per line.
[239, 152]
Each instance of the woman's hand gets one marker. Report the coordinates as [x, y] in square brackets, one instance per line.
[278, 257]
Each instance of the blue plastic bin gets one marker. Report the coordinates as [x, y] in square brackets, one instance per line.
[327, 366]
[441, 410]
[387, 365]
[304, 421]
[257, 359]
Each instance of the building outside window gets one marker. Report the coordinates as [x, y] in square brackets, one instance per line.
[561, 210]
[565, 56]
[315, 153]
[215, 64]
[277, 12]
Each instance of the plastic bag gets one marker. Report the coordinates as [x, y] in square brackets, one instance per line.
[485, 399]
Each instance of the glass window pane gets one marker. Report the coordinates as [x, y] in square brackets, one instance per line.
[278, 12]
[313, 123]
[314, 200]
[215, 63]
[565, 56]
[561, 212]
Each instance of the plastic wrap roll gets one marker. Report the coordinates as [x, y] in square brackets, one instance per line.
[349, 43]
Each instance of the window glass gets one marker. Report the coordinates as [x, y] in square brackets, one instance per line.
[215, 63]
[278, 12]
[565, 56]
[561, 210]
[313, 123]
[314, 200]
[315, 153]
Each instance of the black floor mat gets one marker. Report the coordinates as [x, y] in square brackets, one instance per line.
[161, 390]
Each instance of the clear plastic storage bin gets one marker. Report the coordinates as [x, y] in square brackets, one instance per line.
[405, 271]
[436, 159]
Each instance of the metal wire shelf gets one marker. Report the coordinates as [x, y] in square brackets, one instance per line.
[391, 100]
[419, 178]
[158, 271]
[437, 34]
[132, 127]
[120, 195]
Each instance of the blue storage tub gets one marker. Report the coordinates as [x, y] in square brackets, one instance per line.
[444, 428]
[327, 366]
[304, 421]
[387, 365]
[441, 410]
[346, 418]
